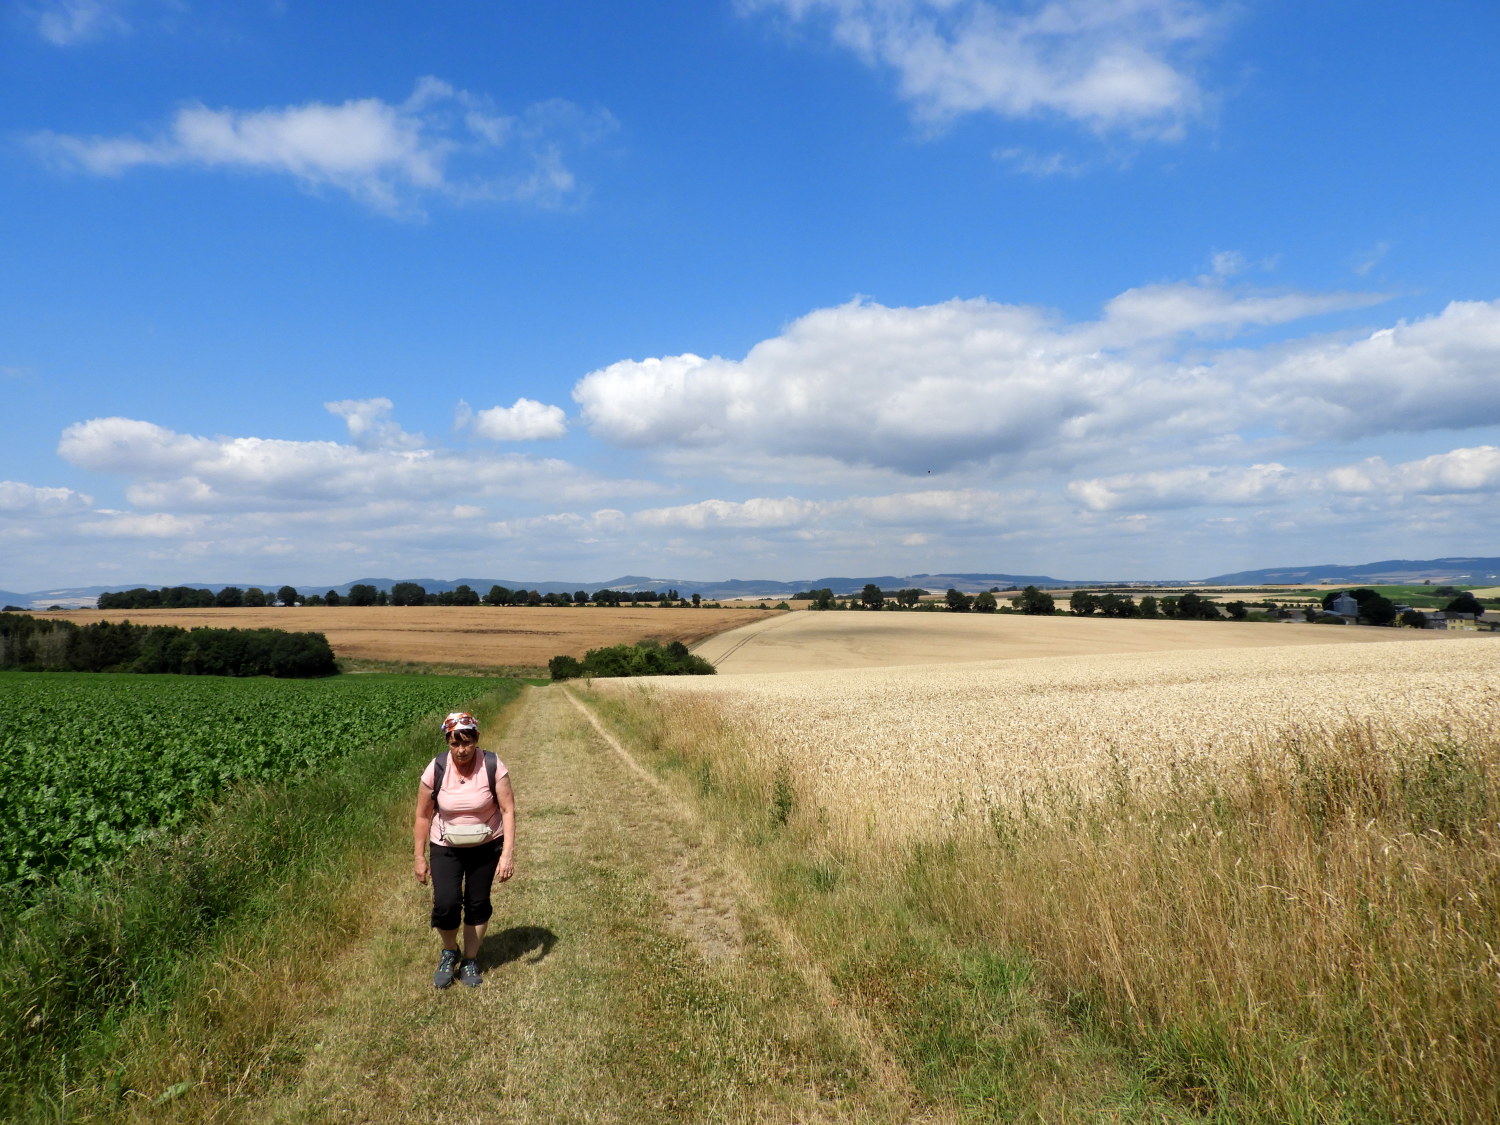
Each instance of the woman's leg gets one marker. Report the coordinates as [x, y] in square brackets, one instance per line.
[473, 939]
[447, 873]
[479, 877]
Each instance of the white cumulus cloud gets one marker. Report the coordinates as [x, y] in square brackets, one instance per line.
[526, 420]
[1440, 372]
[1470, 470]
[932, 388]
[1475, 469]
[1185, 487]
[26, 500]
[168, 471]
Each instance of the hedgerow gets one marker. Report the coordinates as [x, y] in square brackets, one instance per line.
[54, 645]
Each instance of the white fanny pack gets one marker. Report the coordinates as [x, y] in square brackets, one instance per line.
[465, 835]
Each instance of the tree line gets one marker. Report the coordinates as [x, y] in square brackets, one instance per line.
[365, 594]
[872, 597]
[33, 644]
[1032, 601]
[189, 597]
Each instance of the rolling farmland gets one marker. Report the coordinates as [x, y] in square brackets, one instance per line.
[819, 641]
[486, 636]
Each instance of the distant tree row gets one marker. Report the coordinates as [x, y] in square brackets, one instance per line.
[1191, 606]
[364, 594]
[499, 595]
[644, 658]
[188, 597]
[871, 597]
[53, 645]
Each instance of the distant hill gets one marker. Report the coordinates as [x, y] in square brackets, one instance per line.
[1467, 571]
[714, 589]
[1391, 572]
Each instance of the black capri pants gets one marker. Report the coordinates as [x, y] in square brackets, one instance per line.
[461, 881]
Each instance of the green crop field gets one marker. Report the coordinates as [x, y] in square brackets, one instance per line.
[92, 764]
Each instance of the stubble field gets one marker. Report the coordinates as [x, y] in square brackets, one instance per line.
[486, 636]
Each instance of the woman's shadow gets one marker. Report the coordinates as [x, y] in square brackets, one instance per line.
[528, 943]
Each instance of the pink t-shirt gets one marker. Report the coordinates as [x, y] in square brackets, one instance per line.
[465, 800]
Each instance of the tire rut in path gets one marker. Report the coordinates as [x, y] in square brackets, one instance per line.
[629, 977]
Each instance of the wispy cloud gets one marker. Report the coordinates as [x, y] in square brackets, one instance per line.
[370, 426]
[1041, 165]
[66, 22]
[441, 143]
[1113, 66]
[1365, 264]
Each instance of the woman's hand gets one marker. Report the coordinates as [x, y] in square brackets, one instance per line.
[507, 866]
[419, 866]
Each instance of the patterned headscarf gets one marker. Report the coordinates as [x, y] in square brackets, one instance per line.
[459, 720]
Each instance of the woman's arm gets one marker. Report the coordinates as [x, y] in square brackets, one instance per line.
[507, 800]
[422, 825]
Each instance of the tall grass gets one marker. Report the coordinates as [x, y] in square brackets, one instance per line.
[1312, 934]
[112, 982]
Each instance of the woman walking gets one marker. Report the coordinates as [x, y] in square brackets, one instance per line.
[466, 815]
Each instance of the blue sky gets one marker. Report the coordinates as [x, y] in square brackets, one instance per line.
[776, 288]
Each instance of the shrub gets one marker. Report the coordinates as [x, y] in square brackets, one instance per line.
[564, 668]
[644, 658]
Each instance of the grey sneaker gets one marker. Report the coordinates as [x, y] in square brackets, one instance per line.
[446, 964]
[469, 974]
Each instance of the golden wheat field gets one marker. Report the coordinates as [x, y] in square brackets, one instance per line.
[912, 745]
[488, 636]
[817, 641]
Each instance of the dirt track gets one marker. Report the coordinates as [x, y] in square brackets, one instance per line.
[629, 977]
[492, 636]
[817, 641]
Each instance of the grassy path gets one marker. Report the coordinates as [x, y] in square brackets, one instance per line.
[629, 978]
